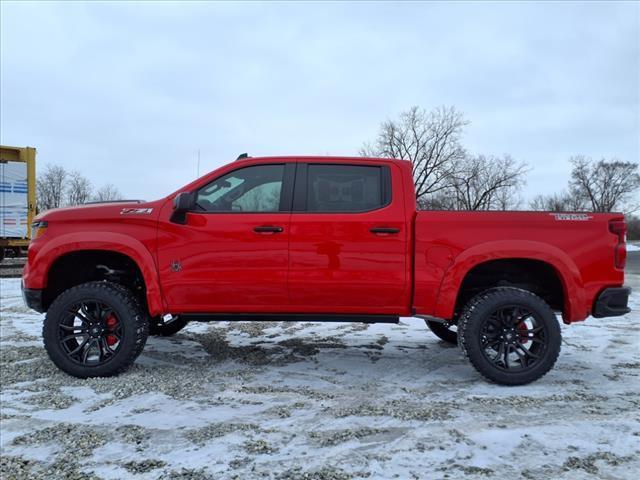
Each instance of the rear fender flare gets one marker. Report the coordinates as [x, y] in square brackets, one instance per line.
[575, 307]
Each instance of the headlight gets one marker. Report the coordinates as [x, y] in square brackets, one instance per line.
[38, 228]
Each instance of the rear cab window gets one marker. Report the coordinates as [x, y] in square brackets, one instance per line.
[342, 188]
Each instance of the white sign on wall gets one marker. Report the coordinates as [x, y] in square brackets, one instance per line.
[13, 200]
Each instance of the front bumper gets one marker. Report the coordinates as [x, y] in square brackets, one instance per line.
[612, 302]
[33, 298]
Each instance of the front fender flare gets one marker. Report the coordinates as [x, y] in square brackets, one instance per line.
[108, 241]
[575, 305]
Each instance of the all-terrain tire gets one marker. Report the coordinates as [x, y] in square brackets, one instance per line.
[443, 332]
[157, 328]
[133, 324]
[479, 310]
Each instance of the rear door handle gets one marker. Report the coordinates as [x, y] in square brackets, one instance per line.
[384, 230]
[268, 229]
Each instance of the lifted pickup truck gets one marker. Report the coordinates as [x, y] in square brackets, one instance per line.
[323, 239]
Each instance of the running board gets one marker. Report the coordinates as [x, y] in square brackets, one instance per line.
[288, 317]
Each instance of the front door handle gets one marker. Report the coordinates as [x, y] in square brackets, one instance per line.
[268, 229]
[384, 230]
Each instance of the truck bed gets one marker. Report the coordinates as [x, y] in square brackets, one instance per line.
[449, 243]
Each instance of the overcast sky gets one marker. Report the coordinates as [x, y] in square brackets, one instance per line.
[127, 93]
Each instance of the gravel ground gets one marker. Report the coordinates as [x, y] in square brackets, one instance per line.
[318, 401]
[12, 267]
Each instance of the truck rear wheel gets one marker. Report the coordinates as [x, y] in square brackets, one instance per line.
[96, 329]
[511, 336]
[446, 332]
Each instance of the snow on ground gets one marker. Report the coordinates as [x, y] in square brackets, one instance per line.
[329, 401]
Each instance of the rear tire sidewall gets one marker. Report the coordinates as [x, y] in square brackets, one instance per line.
[125, 309]
[484, 305]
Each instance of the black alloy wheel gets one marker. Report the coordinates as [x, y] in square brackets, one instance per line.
[511, 336]
[95, 329]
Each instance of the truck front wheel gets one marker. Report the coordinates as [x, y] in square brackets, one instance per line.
[96, 329]
[511, 336]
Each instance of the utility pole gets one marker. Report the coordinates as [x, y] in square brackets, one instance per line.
[198, 168]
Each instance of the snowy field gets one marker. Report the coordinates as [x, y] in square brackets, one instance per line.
[319, 401]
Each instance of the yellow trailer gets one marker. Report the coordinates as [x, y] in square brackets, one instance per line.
[17, 196]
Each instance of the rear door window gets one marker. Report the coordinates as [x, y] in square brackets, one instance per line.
[346, 188]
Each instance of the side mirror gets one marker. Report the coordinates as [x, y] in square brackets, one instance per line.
[183, 202]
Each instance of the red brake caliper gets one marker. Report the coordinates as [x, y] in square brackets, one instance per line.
[112, 324]
[524, 334]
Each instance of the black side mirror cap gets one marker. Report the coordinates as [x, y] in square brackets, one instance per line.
[182, 203]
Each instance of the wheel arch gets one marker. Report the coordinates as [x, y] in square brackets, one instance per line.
[75, 245]
[574, 305]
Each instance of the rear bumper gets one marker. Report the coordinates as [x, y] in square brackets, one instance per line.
[612, 302]
[33, 298]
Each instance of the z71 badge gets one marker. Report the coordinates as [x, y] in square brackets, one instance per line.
[136, 211]
[580, 217]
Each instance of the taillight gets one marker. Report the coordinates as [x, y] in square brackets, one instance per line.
[619, 228]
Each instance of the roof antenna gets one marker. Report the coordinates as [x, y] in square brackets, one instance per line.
[242, 156]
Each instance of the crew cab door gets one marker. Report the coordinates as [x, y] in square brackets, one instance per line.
[231, 255]
[348, 242]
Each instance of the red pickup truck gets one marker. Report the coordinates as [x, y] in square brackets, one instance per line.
[322, 239]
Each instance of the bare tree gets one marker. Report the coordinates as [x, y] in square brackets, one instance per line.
[107, 193]
[442, 200]
[78, 189]
[430, 140]
[508, 199]
[487, 183]
[558, 202]
[604, 185]
[51, 187]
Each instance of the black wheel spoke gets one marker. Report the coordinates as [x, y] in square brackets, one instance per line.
[97, 337]
[498, 356]
[74, 328]
[528, 352]
[85, 354]
[492, 343]
[79, 347]
[505, 331]
[105, 346]
[85, 314]
[82, 317]
[68, 337]
[521, 356]
[507, 351]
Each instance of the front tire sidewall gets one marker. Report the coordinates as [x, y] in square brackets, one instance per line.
[470, 326]
[129, 315]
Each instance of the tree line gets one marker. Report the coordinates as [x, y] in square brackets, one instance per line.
[448, 177]
[58, 187]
